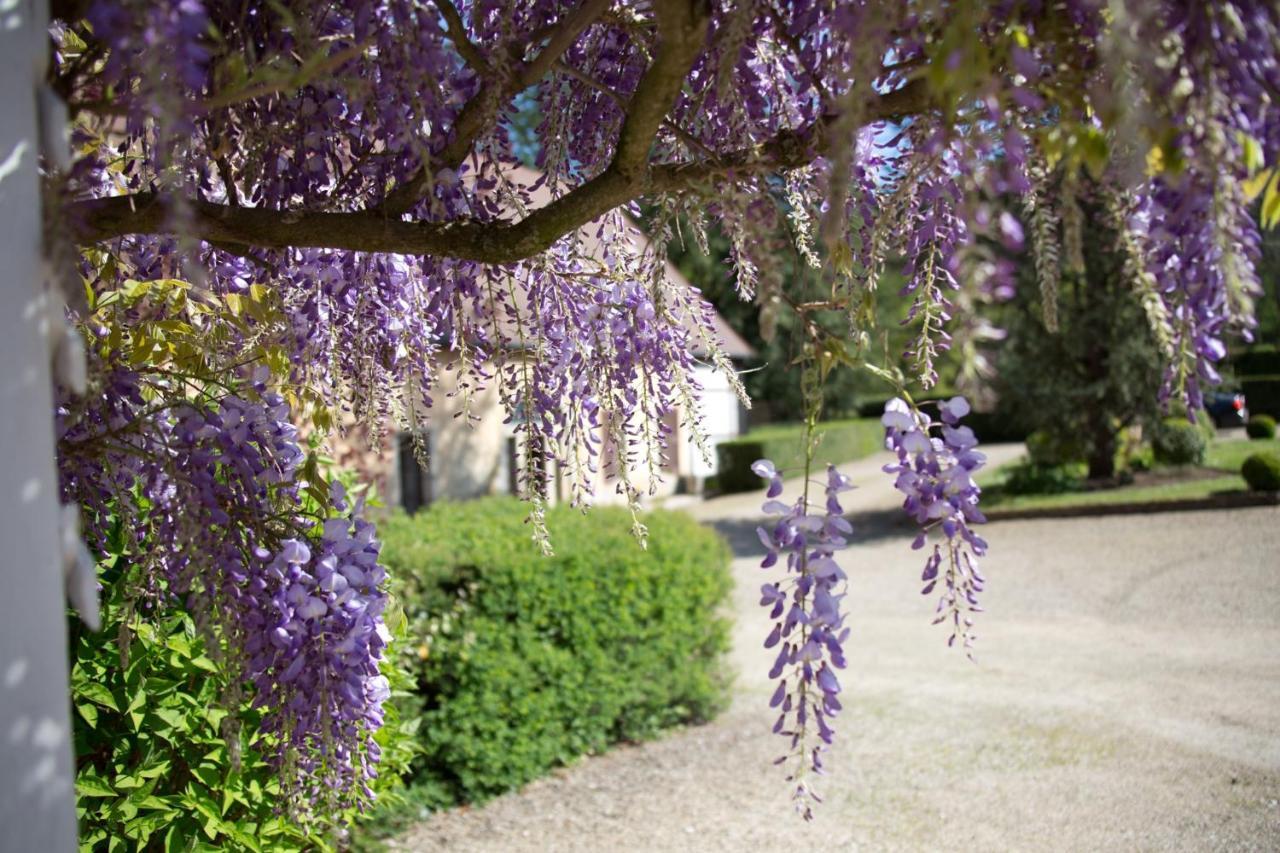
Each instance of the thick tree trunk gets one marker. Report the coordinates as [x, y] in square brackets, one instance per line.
[1102, 452]
[36, 779]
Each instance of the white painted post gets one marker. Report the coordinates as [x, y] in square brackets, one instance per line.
[37, 813]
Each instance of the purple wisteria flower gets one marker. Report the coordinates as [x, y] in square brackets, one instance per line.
[808, 628]
[213, 492]
[935, 467]
[314, 654]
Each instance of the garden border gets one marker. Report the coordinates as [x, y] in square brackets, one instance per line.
[1226, 500]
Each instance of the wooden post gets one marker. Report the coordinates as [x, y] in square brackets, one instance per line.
[37, 806]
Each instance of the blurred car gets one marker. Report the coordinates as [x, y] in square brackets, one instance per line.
[1227, 408]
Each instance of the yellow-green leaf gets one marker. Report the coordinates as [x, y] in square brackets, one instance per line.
[1271, 203]
[1253, 187]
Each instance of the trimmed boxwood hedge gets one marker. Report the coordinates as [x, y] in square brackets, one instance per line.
[784, 445]
[1261, 427]
[1262, 472]
[528, 662]
[1177, 441]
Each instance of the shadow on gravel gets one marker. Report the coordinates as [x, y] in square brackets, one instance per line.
[867, 527]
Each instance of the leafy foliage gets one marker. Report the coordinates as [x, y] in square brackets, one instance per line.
[529, 662]
[1039, 478]
[160, 763]
[1261, 426]
[1047, 448]
[194, 489]
[1175, 441]
[154, 765]
[841, 441]
[1262, 472]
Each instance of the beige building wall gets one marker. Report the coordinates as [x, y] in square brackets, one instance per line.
[477, 456]
[468, 457]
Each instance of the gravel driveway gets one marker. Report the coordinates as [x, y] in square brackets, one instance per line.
[1126, 697]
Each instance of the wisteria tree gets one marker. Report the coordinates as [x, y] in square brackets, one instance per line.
[280, 214]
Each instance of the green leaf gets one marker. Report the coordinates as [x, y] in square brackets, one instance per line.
[89, 713]
[209, 775]
[90, 840]
[174, 719]
[179, 643]
[215, 716]
[92, 785]
[129, 782]
[99, 694]
[151, 771]
[1271, 202]
[203, 662]
[142, 827]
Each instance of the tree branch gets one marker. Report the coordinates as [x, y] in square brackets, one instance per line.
[621, 103]
[495, 242]
[682, 33]
[458, 33]
[479, 112]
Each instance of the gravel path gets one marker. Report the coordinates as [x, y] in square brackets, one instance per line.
[1126, 697]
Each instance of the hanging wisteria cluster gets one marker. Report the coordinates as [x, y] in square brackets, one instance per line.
[935, 468]
[341, 179]
[808, 628]
[208, 483]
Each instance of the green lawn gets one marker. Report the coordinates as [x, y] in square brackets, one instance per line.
[1224, 455]
[1229, 455]
[998, 500]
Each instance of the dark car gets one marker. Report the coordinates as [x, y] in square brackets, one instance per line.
[1227, 408]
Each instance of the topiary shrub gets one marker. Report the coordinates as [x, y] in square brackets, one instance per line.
[1048, 450]
[1032, 479]
[1262, 472]
[1261, 427]
[1176, 441]
[528, 662]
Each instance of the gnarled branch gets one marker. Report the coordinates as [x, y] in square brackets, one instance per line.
[630, 176]
[480, 111]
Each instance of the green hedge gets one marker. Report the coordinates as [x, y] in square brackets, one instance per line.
[1262, 472]
[528, 662]
[1261, 427]
[784, 445]
[1177, 441]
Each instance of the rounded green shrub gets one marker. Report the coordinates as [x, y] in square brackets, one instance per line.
[1176, 441]
[528, 662]
[1262, 472]
[1048, 450]
[1204, 422]
[1261, 426]
[1031, 479]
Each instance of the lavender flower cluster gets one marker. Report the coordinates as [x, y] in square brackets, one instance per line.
[210, 493]
[808, 628]
[935, 468]
[313, 656]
